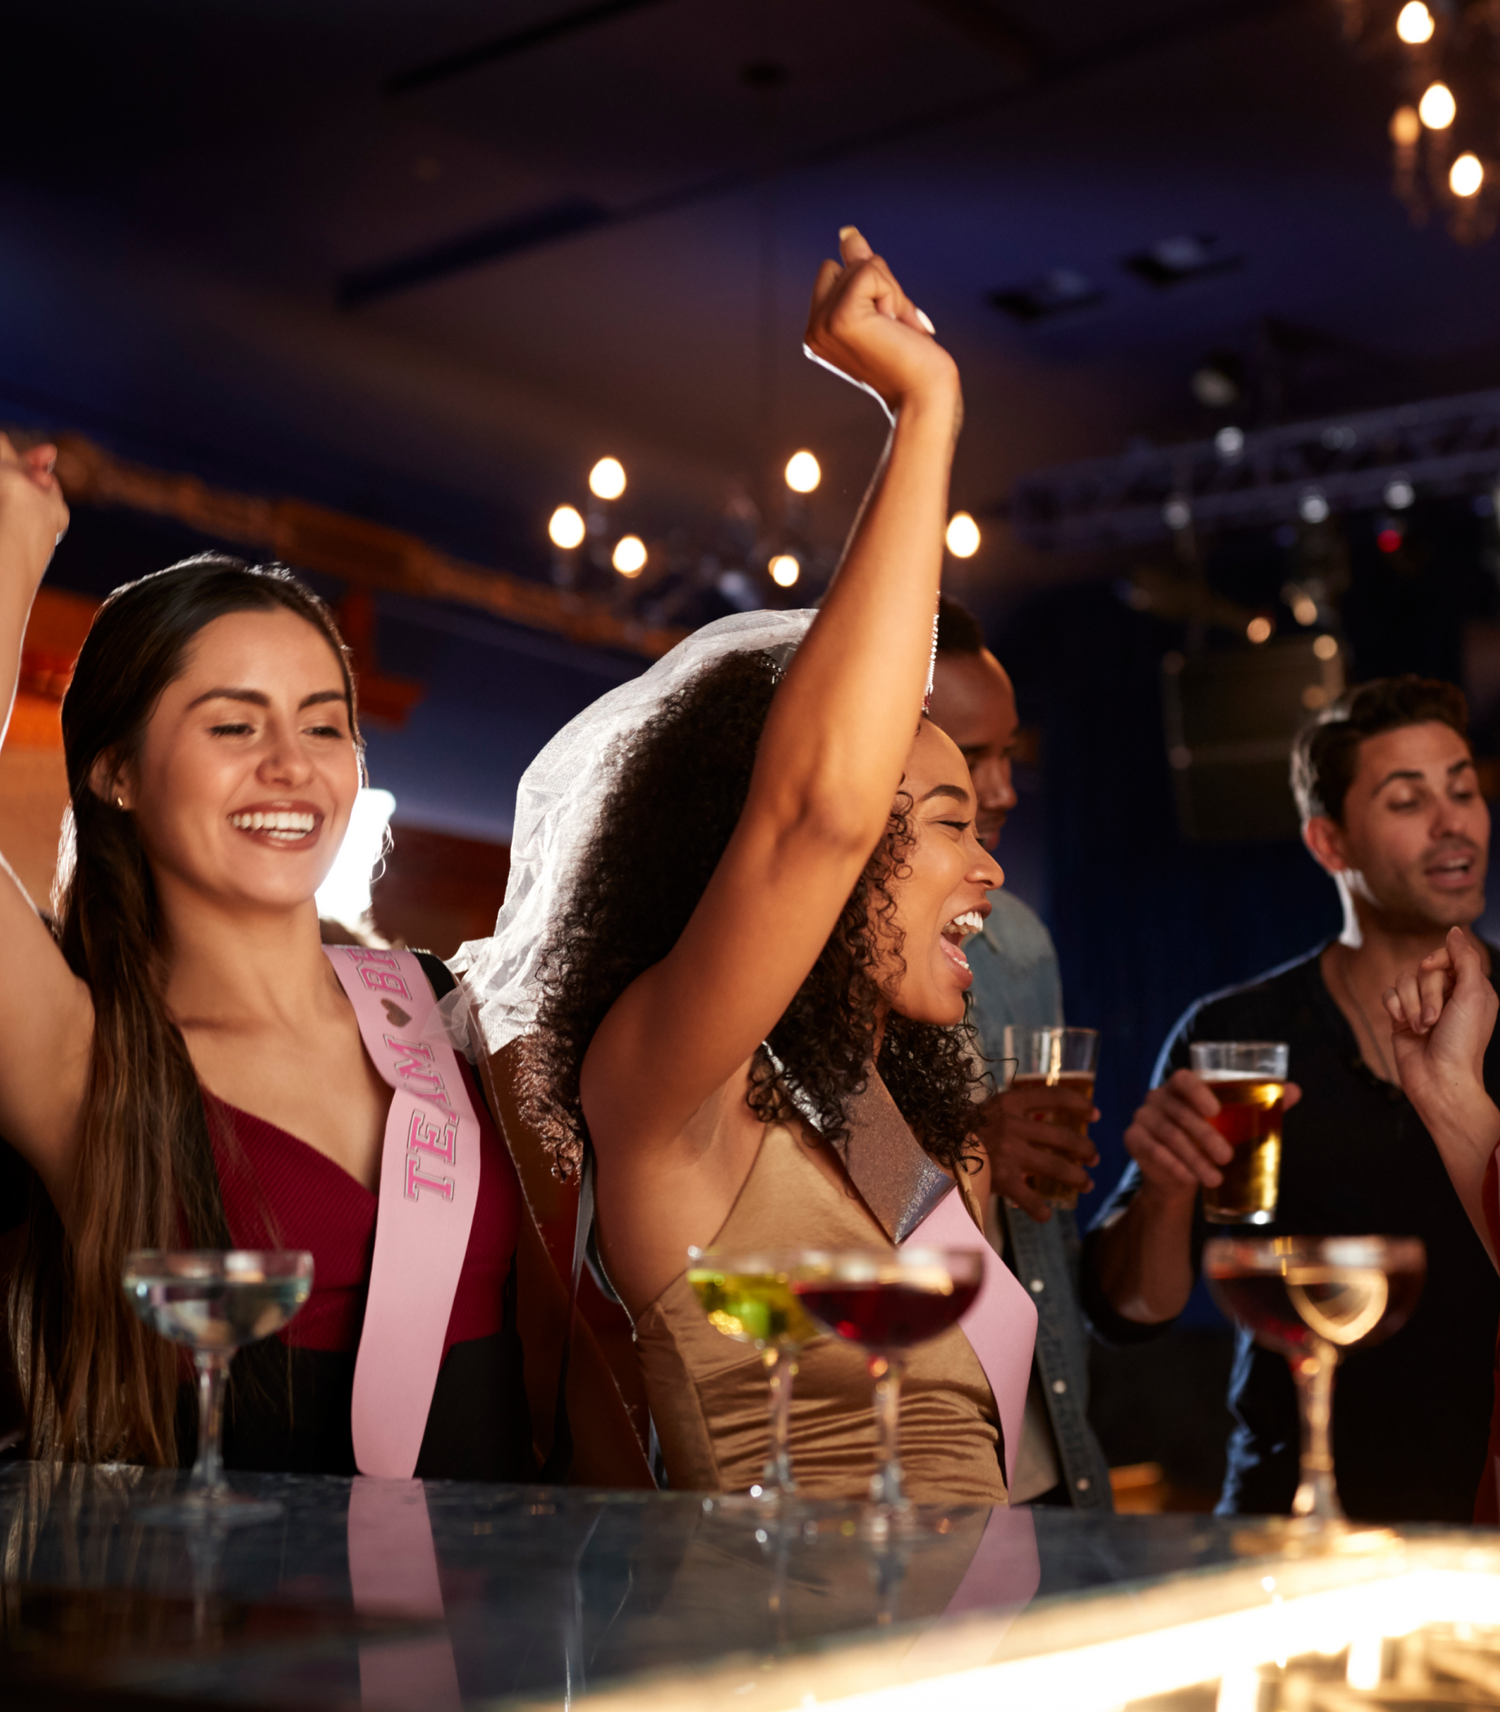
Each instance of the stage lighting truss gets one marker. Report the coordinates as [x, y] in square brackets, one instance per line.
[1300, 474]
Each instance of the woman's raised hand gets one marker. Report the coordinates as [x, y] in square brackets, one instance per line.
[33, 513]
[863, 326]
[1442, 1015]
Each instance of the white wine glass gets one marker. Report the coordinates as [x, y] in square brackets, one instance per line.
[888, 1300]
[215, 1301]
[747, 1295]
[1314, 1299]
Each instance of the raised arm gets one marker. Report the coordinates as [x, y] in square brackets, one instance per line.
[1442, 1016]
[46, 1016]
[831, 757]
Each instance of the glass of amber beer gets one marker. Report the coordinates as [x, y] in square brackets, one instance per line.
[1055, 1058]
[1248, 1079]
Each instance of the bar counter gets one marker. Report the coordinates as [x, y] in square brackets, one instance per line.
[390, 1595]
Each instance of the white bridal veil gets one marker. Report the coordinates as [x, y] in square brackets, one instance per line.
[557, 809]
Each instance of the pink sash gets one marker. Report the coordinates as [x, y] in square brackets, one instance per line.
[1000, 1326]
[393, 1571]
[429, 1186]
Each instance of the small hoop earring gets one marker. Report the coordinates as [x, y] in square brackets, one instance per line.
[119, 802]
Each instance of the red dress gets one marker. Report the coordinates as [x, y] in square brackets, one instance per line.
[290, 1397]
[1487, 1499]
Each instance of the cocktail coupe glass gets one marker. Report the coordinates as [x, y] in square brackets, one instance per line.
[747, 1295]
[888, 1300]
[215, 1301]
[1314, 1299]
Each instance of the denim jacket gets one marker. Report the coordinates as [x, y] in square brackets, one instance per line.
[1016, 981]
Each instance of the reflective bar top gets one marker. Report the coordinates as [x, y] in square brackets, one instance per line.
[391, 1595]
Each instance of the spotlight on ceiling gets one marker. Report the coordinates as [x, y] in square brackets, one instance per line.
[1054, 293]
[1229, 443]
[1414, 23]
[607, 479]
[1218, 382]
[784, 570]
[1437, 109]
[1466, 175]
[1399, 493]
[1312, 507]
[802, 472]
[1191, 255]
[566, 528]
[962, 535]
[1325, 647]
[630, 556]
[1259, 630]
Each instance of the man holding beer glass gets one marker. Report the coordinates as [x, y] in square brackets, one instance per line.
[1391, 810]
[1016, 987]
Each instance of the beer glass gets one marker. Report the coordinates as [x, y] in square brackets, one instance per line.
[1248, 1079]
[1055, 1058]
[215, 1301]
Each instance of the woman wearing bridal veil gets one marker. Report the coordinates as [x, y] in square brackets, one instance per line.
[738, 894]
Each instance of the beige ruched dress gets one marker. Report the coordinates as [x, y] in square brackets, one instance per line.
[709, 1395]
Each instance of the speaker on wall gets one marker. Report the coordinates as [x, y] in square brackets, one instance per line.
[1230, 719]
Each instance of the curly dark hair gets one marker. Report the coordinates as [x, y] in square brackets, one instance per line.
[681, 784]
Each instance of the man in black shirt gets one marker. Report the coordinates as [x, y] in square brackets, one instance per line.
[1391, 810]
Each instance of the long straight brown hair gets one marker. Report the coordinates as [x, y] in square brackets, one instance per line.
[98, 1385]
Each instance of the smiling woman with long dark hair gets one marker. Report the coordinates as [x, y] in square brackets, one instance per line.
[185, 1066]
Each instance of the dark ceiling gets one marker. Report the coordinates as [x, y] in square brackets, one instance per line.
[287, 246]
[187, 190]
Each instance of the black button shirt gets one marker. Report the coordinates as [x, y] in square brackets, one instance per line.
[1411, 1416]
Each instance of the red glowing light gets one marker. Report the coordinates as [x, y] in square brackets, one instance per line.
[1388, 540]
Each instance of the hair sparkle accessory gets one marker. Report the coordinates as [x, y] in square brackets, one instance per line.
[931, 664]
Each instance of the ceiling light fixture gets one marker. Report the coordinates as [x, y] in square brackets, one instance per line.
[1437, 109]
[962, 535]
[1414, 23]
[566, 528]
[784, 570]
[630, 556]
[607, 479]
[802, 472]
[1466, 175]
[1054, 293]
[1438, 48]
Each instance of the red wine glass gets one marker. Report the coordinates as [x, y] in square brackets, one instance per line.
[888, 1300]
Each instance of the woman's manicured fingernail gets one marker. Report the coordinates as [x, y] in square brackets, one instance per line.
[848, 232]
[926, 320]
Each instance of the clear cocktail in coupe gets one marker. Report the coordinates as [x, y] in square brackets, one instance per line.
[747, 1295]
[888, 1301]
[215, 1301]
[1314, 1299]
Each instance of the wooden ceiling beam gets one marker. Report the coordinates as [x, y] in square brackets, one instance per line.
[363, 554]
